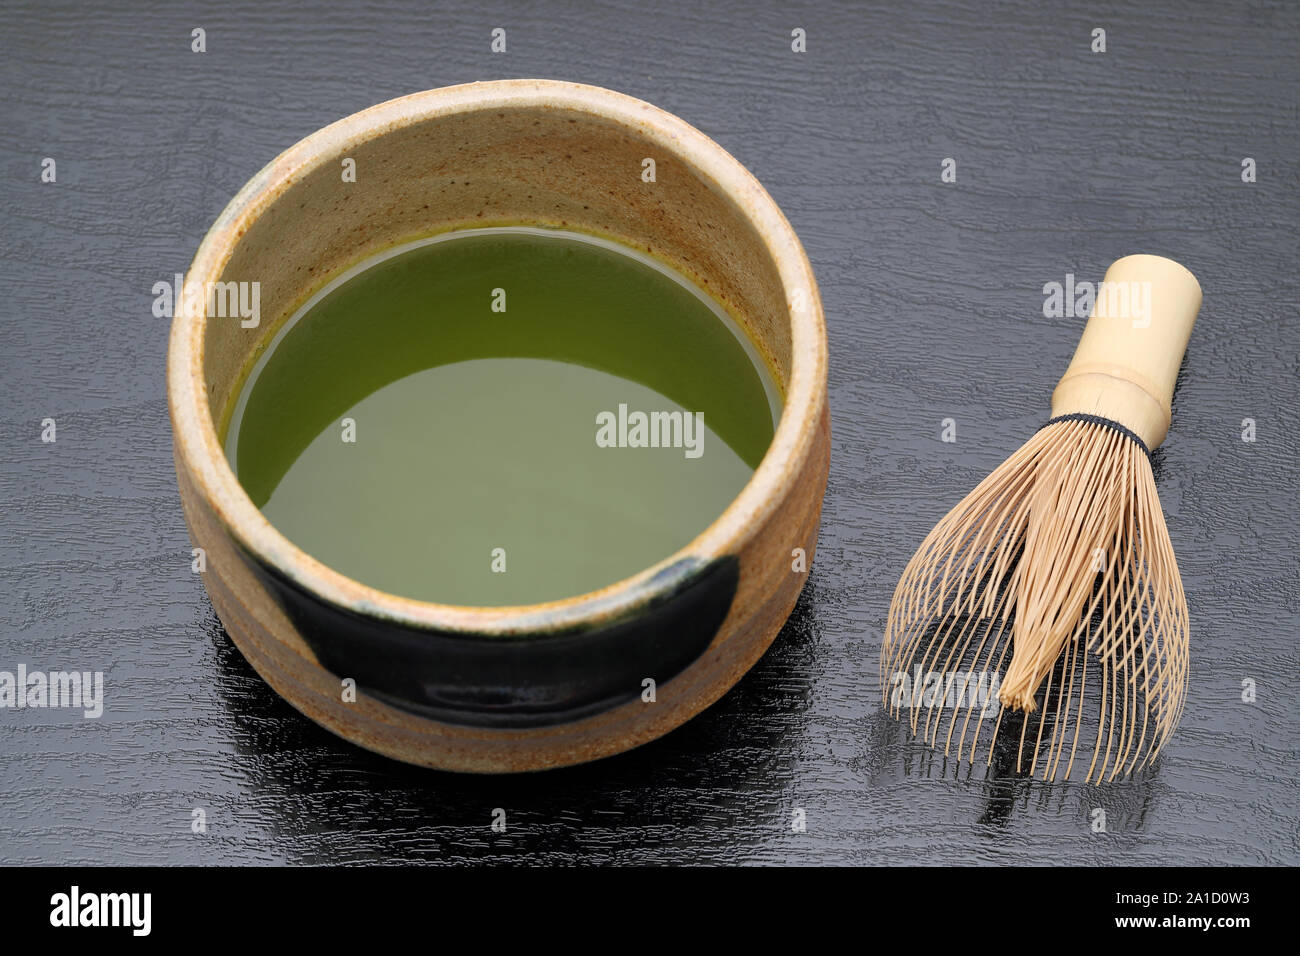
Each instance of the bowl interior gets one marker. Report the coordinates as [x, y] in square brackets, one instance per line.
[503, 153]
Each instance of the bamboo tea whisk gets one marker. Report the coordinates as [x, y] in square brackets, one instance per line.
[1045, 611]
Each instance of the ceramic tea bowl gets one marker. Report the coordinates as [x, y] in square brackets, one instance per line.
[496, 689]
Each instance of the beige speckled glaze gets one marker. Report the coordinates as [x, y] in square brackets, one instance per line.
[501, 153]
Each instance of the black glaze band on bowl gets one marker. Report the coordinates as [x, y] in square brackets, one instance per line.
[536, 680]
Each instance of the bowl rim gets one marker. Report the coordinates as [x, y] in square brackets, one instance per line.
[199, 451]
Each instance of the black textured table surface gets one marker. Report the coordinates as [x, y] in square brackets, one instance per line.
[1065, 159]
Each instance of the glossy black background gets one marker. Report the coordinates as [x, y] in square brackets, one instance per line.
[933, 292]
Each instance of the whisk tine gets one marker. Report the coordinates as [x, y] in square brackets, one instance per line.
[1062, 557]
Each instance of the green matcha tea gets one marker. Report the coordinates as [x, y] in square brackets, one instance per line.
[501, 416]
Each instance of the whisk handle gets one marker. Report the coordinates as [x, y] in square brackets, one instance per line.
[1128, 357]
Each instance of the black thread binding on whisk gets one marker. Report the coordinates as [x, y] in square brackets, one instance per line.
[1098, 420]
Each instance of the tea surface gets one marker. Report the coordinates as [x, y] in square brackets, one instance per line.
[473, 420]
